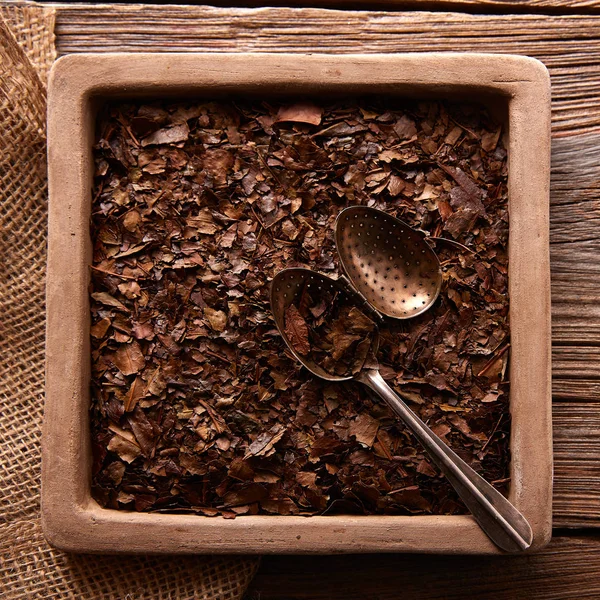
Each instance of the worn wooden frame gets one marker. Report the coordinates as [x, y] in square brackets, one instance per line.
[517, 88]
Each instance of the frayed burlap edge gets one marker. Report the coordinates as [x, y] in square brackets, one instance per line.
[33, 27]
[29, 566]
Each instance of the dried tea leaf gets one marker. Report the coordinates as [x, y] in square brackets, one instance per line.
[124, 444]
[300, 113]
[168, 135]
[217, 319]
[265, 442]
[129, 358]
[364, 428]
[99, 329]
[108, 300]
[136, 391]
[296, 330]
[489, 140]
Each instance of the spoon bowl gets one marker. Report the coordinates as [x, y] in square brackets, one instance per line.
[387, 262]
[286, 287]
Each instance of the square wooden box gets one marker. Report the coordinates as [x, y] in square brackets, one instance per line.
[516, 88]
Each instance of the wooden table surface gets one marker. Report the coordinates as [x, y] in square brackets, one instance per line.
[565, 35]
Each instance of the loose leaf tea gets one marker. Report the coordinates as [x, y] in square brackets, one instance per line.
[197, 405]
[330, 331]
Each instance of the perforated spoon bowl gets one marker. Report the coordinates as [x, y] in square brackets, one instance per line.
[387, 262]
[500, 520]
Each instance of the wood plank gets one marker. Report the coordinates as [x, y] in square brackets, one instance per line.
[479, 6]
[580, 390]
[474, 6]
[576, 465]
[568, 568]
[576, 362]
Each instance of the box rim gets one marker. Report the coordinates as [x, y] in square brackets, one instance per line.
[77, 522]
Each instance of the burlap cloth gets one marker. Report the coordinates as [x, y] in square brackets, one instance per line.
[29, 567]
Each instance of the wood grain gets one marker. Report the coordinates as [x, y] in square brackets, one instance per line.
[568, 568]
[576, 464]
[568, 45]
[474, 6]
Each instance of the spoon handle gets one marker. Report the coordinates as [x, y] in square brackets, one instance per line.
[500, 520]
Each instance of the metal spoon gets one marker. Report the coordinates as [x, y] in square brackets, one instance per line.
[387, 262]
[500, 520]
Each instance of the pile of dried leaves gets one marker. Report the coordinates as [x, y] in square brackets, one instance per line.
[329, 330]
[196, 404]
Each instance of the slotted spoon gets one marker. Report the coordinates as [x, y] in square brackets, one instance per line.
[397, 259]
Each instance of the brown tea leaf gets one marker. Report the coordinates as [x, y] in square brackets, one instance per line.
[129, 358]
[217, 319]
[265, 442]
[136, 391]
[364, 429]
[296, 330]
[124, 444]
[300, 113]
[108, 300]
[168, 135]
